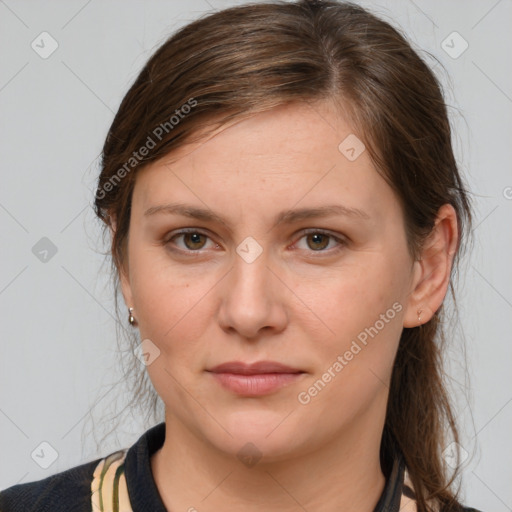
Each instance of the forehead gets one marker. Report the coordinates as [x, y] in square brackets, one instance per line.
[294, 155]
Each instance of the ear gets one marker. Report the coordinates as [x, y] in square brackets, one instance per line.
[124, 278]
[432, 270]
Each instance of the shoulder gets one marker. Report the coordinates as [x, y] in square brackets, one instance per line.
[68, 490]
[84, 487]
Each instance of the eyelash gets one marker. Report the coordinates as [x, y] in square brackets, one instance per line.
[341, 242]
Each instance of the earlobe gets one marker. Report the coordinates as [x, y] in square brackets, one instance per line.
[432, 271]
[419, 317]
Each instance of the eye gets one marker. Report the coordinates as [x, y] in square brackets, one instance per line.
[193, 240]
[318, 240]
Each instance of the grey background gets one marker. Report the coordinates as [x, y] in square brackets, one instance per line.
[58, 363]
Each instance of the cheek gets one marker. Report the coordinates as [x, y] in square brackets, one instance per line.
[171, 310]
[350, 299]
[362, 307]
[171, 303]
[173, 314]
[355, 363]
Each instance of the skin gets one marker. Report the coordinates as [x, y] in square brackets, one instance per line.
[300, 302]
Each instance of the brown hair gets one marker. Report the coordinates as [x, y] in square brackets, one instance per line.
[251, 58]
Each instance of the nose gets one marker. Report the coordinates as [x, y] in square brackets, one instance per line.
[253, 298]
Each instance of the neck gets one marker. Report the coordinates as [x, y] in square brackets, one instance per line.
[344, 474]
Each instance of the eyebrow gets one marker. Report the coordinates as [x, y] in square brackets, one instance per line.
[284, 217]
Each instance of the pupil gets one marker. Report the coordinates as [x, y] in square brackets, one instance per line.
[195, 238]
[318, 237]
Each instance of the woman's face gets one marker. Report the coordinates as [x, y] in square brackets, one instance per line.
[323, 294]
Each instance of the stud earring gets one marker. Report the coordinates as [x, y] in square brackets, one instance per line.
[419, 315]
[131, 318]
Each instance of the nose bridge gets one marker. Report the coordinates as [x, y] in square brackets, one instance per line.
[249, 286]
[250, 272]
[250, 299]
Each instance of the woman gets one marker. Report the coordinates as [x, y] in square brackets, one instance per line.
[286, 216]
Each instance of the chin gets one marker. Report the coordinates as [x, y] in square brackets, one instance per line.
[261, 435]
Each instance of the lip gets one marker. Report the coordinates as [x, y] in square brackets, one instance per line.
[258, 368]
[256, 379]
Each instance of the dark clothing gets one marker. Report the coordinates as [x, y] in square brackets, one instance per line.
[123, 482]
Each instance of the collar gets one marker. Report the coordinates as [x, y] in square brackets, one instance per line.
[123, 480]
